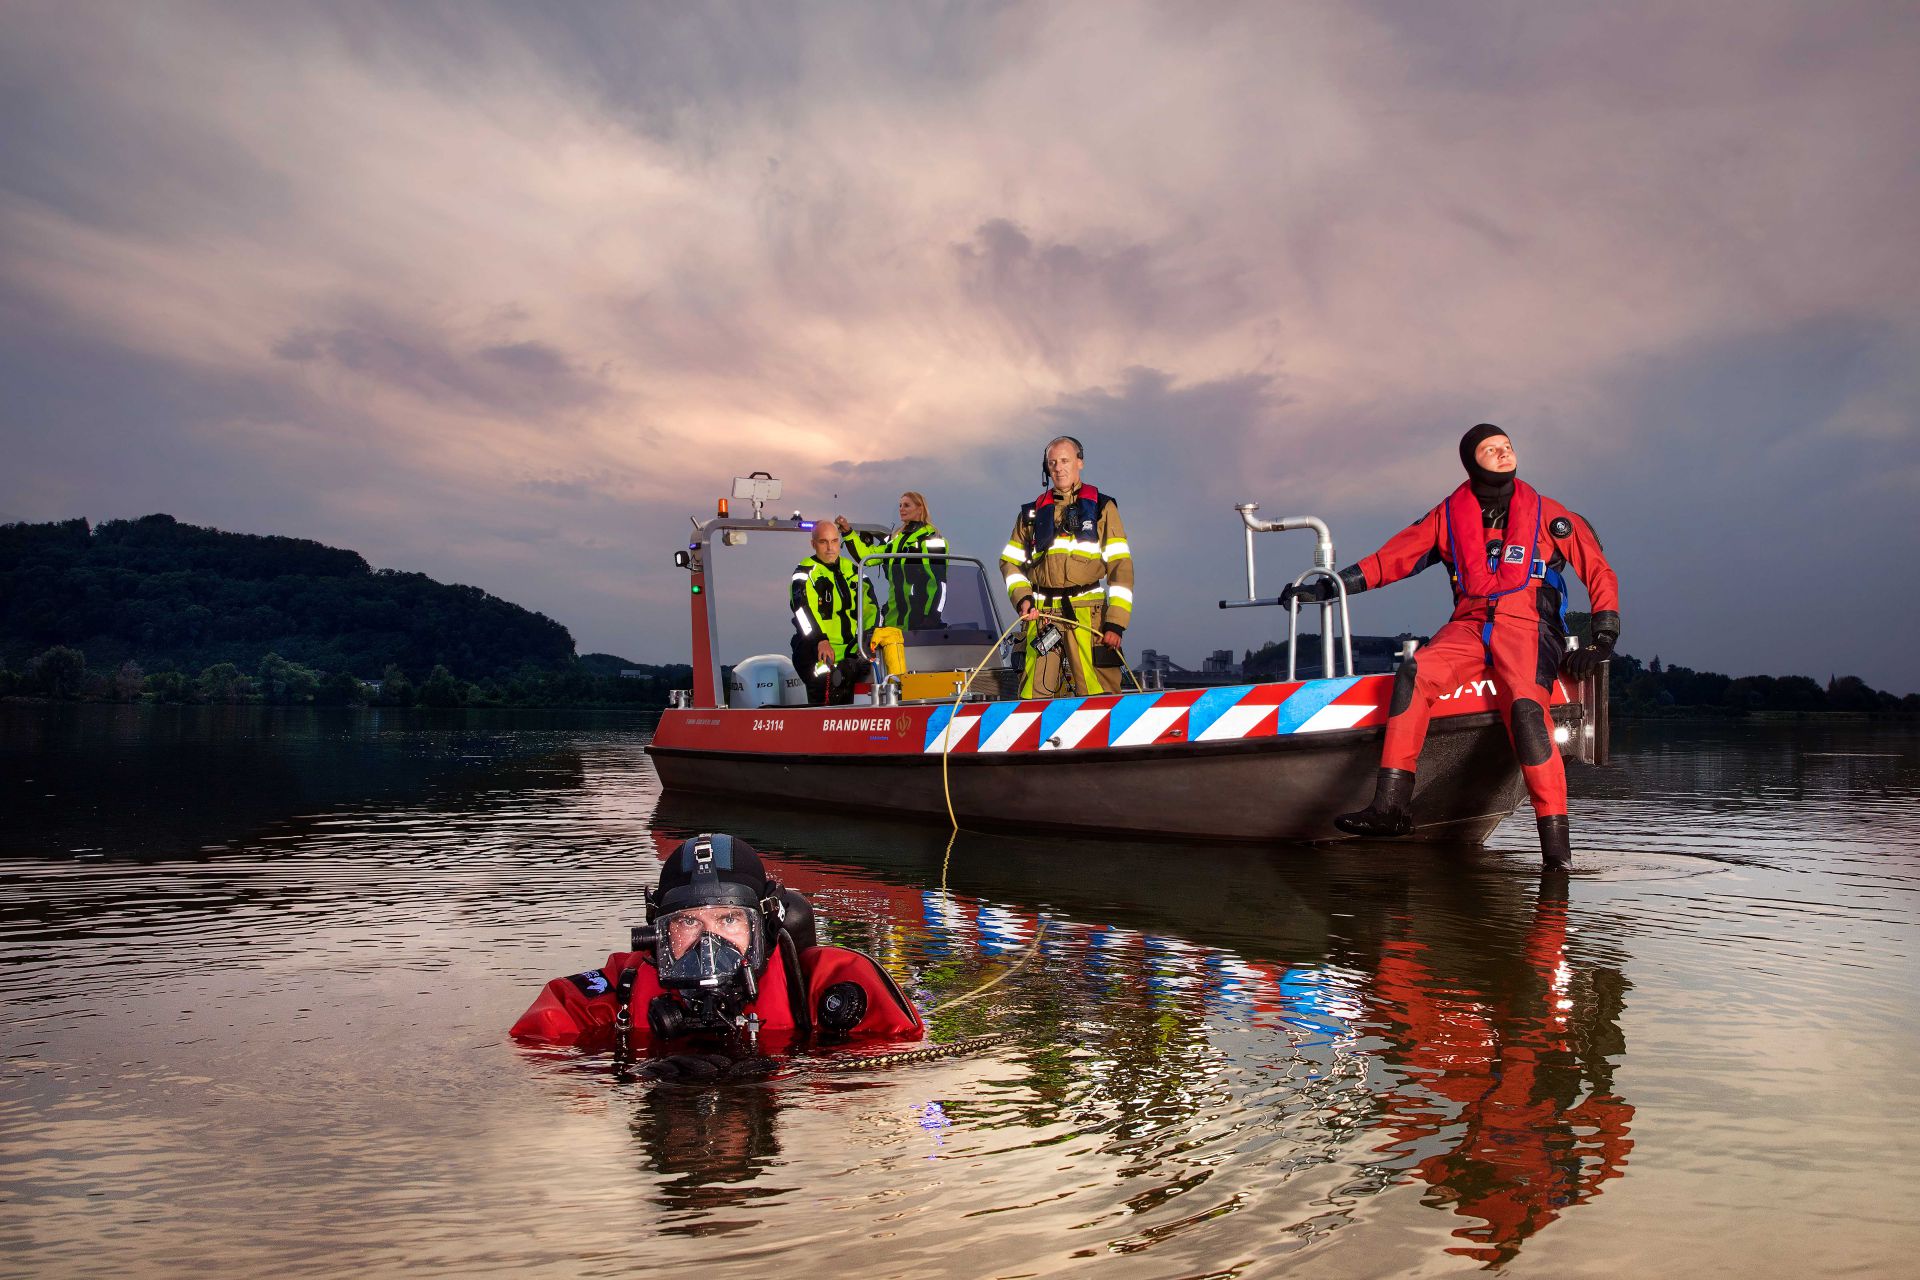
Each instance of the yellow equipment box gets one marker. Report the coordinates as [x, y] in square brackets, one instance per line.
[919, 686]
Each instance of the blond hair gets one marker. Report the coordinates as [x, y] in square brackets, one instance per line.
[919, 500]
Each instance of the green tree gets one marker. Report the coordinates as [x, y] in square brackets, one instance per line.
[169, 686]
[341, 689]
[441, 689]
[224, 682]
[129, 682]
[58, 672]
[287, 682]
[395, 689]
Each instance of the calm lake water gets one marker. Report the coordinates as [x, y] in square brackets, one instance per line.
[256, 968]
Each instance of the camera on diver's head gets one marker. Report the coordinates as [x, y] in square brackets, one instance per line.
[674, 1014]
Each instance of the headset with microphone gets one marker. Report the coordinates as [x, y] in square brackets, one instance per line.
[1046, 472]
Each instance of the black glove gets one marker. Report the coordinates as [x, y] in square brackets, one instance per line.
[1582, 663]
[1318, 591]
[701, 1068]
[684, 1067]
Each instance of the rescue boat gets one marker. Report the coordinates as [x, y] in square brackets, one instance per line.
[941, 727]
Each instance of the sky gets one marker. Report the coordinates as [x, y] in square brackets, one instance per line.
[505, 293]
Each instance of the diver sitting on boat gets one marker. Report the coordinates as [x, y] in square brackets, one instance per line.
[826, 652]
[727, 961]
[916, 588]
[1506, 548]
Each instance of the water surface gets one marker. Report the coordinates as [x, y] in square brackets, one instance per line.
[256, 968]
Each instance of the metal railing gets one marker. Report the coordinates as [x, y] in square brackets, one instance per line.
[1322, 567]
[887, 692]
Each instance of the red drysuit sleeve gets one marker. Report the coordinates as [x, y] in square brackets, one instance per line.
[569, 1010]
[1408, 551]
[1581, 547]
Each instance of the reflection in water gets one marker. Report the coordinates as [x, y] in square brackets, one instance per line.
[1362, 1060]
[707, 1144]
[1365, 992]
[180, 781]
[1526, 1123]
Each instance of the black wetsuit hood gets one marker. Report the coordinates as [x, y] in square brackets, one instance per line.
[1493, 488]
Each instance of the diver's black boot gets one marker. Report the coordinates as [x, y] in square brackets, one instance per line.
[1556, 848]
[1390, 814]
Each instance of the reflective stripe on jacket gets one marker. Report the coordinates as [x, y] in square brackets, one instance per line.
[1084, 557]
[822, 601]
[916, 589]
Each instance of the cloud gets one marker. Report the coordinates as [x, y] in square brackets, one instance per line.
[512, 379]
[432, 279]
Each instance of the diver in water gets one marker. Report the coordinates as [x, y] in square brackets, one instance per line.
[1506, 548]
[726, 972]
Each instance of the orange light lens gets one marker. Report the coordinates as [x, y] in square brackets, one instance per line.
[723, 508]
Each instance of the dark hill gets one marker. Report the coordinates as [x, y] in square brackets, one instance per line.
[172, 596]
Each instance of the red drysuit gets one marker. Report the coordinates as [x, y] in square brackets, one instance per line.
[1509, 592]
[580, 1010]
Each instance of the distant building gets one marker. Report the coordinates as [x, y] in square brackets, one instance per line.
[1156, 662]
[632, 673]
[1221, 663]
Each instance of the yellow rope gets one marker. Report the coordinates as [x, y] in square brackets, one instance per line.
[946, 787]
[960, 693]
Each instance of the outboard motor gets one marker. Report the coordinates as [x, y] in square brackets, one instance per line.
[765, 680]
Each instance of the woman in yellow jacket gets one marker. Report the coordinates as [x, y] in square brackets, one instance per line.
[917, 588]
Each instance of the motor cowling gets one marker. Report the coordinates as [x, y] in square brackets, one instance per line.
[765, 680]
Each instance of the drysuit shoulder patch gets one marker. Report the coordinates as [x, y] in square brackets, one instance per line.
[591, 983]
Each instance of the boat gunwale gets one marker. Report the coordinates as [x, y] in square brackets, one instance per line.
[1140, 753]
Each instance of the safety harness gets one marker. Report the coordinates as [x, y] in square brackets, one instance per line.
[1510, 565]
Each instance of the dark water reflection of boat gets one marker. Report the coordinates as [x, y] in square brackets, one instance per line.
[1333, 1060]
[1435, 1022]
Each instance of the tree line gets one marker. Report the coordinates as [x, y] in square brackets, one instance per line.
[152, 609]
[63, 673]
[1648, 688]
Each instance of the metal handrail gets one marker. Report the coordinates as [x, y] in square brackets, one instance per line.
[1323, 561]
[697, 559]
[860, 605]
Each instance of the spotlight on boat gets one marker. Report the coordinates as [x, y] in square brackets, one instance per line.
[1562, 735]
[759, 488]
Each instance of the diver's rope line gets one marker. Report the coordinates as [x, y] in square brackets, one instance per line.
[947, 735]
[1039, 932]
[952, 1049]
[946, 789]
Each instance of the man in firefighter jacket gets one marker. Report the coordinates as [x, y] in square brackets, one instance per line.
[723, 967]
[826, 625]
[1506, 548]
[1068, 558]
[917, 587]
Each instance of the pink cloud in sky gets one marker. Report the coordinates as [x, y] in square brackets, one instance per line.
[504, 294]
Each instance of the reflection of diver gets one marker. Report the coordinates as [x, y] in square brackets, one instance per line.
[707, 1142]
[727, 961]
[1500, 1083]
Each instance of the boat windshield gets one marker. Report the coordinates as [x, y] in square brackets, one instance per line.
[935, 593]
